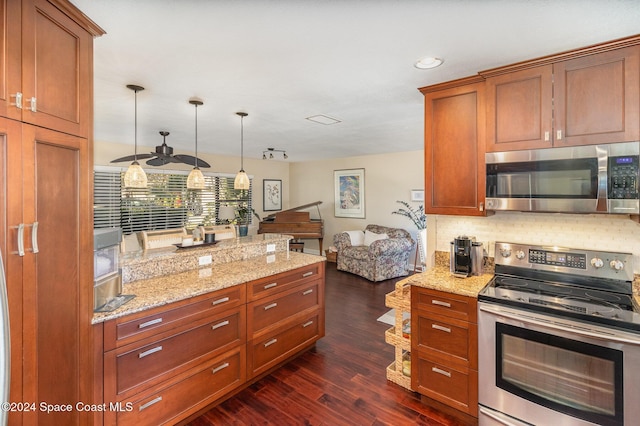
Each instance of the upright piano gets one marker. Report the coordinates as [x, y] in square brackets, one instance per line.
[294, 222]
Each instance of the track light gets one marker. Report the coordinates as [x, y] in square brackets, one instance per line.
[271, 151]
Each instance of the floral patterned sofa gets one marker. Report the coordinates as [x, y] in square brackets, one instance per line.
[382, 259]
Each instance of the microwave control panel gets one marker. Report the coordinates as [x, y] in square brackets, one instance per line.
[623, 177]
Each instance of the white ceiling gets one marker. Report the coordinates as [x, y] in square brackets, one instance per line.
[284, 60]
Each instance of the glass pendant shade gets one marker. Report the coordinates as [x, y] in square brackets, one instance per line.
[135, 177]
[195, 179]
[241, 181]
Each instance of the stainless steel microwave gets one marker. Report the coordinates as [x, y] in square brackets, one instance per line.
[581, 179]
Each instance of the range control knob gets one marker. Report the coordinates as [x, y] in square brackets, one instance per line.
[520, 254]
[505, 252]
[597, 263]
[617, 265]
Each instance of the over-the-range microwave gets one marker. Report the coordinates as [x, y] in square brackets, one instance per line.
[581, 179]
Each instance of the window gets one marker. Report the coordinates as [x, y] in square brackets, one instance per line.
[165, 203]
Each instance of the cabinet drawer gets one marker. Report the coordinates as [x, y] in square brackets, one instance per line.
[447, 304]
[448, 341]
[162, 357]
[268, 312]
[280, 282]
[126, 330]
[216, 378]
[268, 351]
[456, 388]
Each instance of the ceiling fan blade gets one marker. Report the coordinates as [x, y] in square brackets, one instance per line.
[158, 161]
[191, 160]
[131, 158]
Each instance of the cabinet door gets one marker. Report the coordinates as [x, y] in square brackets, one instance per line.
[57, 281]
[519, 110]
[597, 98]
[10, 41]
[10, 218]
[56, 69]
[454, 151]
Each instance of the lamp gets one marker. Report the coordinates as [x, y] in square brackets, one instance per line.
[242, 180]
[196, 178]
[271, 151]
[226, 213]
[135, 177]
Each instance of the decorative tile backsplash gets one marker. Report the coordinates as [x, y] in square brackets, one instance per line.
[592, 232]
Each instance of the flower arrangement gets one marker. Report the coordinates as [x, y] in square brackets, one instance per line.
[416, 215]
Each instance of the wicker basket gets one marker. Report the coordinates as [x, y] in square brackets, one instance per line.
[397, 377]
[332, 256]
[400, 300]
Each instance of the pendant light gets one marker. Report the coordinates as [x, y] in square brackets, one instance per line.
[196, 178]
[242, 180]
[135, 177]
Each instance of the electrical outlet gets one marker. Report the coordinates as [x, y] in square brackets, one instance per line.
[271, 248]
[205, 260]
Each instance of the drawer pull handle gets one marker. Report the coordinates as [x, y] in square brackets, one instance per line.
[34, 237]
[268, 286]
[270, 305]
[220, 367]
[441, 328]
[220, 324]
[440, 371]
[307, 274]
[270, 342]
[150, 351]
[304, 293]
[149, 323]
[439, 303]
[307, 324]
[150, 403]
[219, 301]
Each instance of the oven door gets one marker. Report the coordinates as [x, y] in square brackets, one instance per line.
[540, 369]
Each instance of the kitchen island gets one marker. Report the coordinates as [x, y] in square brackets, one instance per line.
[194, 335]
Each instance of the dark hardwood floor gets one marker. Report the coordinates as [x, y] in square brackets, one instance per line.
[342, 380]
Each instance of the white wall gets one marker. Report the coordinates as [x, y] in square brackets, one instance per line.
[388, 178]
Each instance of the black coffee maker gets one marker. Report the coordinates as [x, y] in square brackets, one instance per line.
[461, 261]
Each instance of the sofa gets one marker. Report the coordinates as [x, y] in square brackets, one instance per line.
[378, 253]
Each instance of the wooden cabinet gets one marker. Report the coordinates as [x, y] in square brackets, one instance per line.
[48, 79]
[562, 101]
[444, 348]
[46, 207]
[166, 364]
[454, 147]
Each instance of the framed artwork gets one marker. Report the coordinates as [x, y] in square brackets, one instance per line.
[417, 195]
[271, 195]
[349, 193]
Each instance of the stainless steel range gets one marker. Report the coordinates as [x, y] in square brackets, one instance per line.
[559, 338]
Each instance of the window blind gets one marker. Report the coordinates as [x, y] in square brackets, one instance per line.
[165, 203]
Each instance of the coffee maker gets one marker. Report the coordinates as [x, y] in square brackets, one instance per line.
[466, 256]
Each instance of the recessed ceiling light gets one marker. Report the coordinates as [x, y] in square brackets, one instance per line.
[323, 119]
[428, 62]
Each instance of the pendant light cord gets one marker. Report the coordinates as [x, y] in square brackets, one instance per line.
[135, 127]
[242, 143]
[196, 135]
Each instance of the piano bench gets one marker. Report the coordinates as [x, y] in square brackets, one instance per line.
[296, 245]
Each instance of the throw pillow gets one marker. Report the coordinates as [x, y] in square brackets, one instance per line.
[357, 237]
[370, 237]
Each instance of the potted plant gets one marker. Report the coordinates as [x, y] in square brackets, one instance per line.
[419, 219]
[243, 218]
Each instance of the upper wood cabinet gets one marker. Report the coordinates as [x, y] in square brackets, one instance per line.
[454, 147]
[585, 97]
[47, 79]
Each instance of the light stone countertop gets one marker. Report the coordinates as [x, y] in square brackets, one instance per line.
[159, 291]
[440, 278]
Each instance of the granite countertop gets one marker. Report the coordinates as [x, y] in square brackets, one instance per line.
[159, 291]
[440, 278]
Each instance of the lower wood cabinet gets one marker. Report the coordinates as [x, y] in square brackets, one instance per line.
[169, 363]
[444, 348]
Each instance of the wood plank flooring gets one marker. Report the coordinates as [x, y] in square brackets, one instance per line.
[342, 380]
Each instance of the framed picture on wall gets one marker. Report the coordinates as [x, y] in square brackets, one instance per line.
[349, 193]
[271, 195]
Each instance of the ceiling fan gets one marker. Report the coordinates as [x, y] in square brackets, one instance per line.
[164, 155]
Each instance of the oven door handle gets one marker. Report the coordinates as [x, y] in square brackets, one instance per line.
[503, 419]
[612, 335]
